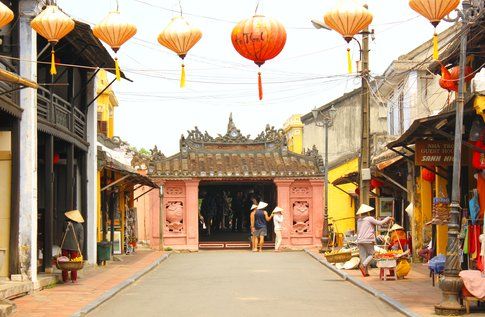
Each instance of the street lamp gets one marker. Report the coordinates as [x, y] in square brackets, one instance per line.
[327, 116]
[451, 283]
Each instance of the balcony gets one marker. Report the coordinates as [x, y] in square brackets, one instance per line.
[60, 118]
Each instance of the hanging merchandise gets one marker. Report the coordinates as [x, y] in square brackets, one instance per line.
[474, 207]
[441, 210]
[6, 15]
[434, 11]
[348, 18]
[115, 31]
[52, 24]
[179, 36]
[259, 39]
[428, 175]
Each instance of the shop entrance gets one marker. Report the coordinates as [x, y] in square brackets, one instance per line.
[225, 207]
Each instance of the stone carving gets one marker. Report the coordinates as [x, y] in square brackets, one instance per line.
[174, 211]
[270, 134]
[301, 216]
[300, 191]
[313, 152]
[156, 154]
[174, 191]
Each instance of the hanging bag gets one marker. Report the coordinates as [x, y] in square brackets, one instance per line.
[71, 265]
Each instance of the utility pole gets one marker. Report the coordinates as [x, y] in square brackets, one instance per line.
[365, 118]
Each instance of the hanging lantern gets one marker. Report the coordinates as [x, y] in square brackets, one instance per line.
[56, 158]
[179, 36]
[52, 24]
[375, 183]
[6, 15]
[434, 11]
[259, 39]
[446, 82]
[428, 175]
[114, 31]
[348, 18]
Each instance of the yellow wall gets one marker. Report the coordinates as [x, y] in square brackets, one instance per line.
[5, 199]
[100, 222]
[106, 102]
[341, 205]
[293, 128]
[441, 230]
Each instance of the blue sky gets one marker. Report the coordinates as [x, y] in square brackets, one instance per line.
[310, 71]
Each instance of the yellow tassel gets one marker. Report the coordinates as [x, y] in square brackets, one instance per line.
[182, 77]
[260, 86]
[349, 61]
[435, 47]
[53, 63]
[117, 70]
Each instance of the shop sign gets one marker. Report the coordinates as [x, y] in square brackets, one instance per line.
[437, 153]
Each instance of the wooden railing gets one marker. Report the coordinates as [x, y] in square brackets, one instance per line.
[60, 113]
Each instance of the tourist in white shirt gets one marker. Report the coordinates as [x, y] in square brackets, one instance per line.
[278, 226]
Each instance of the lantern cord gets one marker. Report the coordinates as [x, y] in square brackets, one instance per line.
[117, 6]
[257, 7]
[180, 6]
[260, 86]
[117, 69]
[53, 63]
[435, 46]
[349, 61]
[182, 77]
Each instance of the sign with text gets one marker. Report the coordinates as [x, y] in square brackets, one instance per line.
[438, 153]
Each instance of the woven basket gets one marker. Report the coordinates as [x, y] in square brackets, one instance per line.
[339, 257]
[70, 266]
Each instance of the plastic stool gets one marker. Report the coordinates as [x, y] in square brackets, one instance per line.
[386, 273]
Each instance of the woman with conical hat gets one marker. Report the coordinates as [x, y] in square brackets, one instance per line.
[366, 236]
[259, 224]
[398, 239]
[73, 240]
[278, 219]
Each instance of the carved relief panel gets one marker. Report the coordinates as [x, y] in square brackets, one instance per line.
[301, 216]
[174, 216]
[300, 191]
[174, 191]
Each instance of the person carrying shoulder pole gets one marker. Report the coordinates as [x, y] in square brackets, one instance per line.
[366, 236]
[259, 227]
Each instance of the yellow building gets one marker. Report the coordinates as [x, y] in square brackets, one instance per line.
[5, 194]
[341, 202]
[293, 129]
[107, 102]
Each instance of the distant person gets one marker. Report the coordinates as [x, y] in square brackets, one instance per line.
[278, 219]
[254, 242]
[72, 241]
[237, 211]
[399, 240]
[366, 236]
[259, 224]
[208, 211]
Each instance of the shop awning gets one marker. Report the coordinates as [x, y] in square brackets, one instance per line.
[132, 177]
[350, 178]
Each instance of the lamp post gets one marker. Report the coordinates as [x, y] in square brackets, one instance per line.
[451, 283]
[327, 117]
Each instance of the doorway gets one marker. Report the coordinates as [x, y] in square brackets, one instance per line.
[225, 208]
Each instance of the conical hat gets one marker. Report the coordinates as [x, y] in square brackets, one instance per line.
[74, 215]
[254, 207]
[262, 205]
[277, 209]
[396, 227]
[363, 209]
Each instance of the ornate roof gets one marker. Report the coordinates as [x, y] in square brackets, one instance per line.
[234, 155]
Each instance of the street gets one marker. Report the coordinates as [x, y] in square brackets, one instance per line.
[242, 283]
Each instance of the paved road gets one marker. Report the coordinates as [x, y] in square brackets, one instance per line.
[242, 283]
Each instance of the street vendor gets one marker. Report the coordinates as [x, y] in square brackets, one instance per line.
[398, 240]
[72, 242]
[366, 236]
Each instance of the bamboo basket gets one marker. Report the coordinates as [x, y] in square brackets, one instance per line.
[70, 266]
[338, 257]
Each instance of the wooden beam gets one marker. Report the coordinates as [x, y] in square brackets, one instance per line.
[115, 182]
[70, 177]
[83, 165]
[393, 181]
[14, 263]
[49, 201]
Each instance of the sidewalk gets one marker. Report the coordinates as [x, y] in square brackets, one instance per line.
[413, 295]
[94, 286]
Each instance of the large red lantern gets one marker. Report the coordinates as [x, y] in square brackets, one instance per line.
[428, 175]
[259, 39]
[375, 183]
[449, 79]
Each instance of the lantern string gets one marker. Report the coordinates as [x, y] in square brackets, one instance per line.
[53, 63]
[435, 46]
[349, 62]
[260, 86]
[257, 7]
[180, 6]
[117, 6]
[182, 77]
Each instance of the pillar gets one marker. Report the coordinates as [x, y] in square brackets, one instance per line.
[192, 205]
[317, 210]
[283, 198]
[441, 230]
[93, 177]
[49, 203]
[28, 145]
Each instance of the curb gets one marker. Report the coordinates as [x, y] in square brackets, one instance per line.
[346, 277]
[118, 288]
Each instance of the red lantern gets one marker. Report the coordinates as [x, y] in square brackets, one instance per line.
[478, 158]
[375, 183]
[357, 191]
[259, 39]
[56, 158]
[449, 79]
[428, 175]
